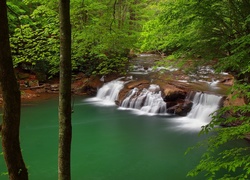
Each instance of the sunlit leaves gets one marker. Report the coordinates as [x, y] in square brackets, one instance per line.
[229, 164]
[37, 40]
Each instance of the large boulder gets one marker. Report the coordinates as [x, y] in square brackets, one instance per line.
[181, 108]
[91, 85]
[175, 99]
[172, 93]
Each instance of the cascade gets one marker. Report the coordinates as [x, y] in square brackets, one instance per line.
[203, 106]
[126, 102]
[109, 91]
[148, 100]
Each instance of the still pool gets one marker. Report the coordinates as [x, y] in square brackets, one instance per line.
[107, 144]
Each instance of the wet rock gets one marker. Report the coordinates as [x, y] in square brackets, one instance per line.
[171, 104]
[122, 94]
[227, 80]
[181, 108]
[175, 96]
[139, 84]
[175, 99]
[91, 85]
[172, 93]
[78, 86]
[186, 108]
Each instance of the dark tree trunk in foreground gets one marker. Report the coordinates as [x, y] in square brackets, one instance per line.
[64, 111]
[11, 104]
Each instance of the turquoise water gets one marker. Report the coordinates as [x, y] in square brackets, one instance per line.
[108, 144]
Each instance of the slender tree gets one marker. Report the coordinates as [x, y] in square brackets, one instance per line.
[65, 129]
[11, 104]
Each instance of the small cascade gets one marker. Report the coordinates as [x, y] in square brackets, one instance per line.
[109, 91]
[148, 100]
[126, 101]
[203, 105]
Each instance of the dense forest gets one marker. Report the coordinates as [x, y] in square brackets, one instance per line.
[103, 32]
[106, 33]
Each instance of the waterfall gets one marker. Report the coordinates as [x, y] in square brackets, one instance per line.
[126, 101]
[109, 91]
[203, 106]
[148, 100]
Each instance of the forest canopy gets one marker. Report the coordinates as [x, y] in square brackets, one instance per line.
[103, 32]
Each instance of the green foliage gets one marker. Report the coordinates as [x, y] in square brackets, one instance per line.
[153, 32]
[113, 65]
[238, 61]
[35, 42]
[222, 160]
[209, 29]
[103, 32]
[15, 9]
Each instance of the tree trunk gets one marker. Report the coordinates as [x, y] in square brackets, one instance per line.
[11, 104]
[64, 111]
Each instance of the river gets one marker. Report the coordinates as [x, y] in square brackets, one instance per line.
[108, 143]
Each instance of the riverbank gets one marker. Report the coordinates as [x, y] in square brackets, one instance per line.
[32, 96]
